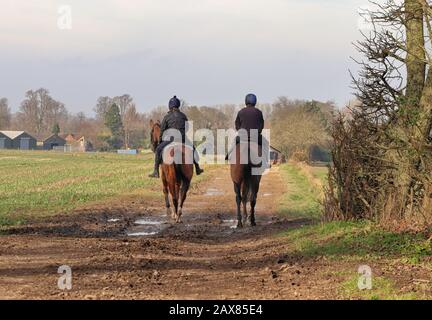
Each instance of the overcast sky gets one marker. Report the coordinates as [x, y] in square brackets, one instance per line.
[205, 51]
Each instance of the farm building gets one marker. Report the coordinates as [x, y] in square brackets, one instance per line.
[5, 141]
[276, 156]
[17, 140]
[70, 137]
[76, 143]
[53, 141]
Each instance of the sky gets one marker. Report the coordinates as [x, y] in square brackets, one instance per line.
[206, 52]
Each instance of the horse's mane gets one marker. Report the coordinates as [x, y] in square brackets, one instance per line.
[155, 125]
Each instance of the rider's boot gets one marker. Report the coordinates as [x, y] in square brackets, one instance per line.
[155, 173]
[198, 169]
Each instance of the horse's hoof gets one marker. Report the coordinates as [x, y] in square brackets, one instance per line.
[239, 225]
[253, 223]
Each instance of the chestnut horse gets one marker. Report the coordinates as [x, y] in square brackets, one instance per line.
[154, 134]
[176, 178]
[246, 184]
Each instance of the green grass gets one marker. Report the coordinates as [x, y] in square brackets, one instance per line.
[38, 183]
[320, 173]
[301, 199]
[362, 243]
[358, 240]
[382, 289]
[335, 239]
[355, 242]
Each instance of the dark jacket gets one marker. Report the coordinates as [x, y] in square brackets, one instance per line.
[174, 119]
[250, 118]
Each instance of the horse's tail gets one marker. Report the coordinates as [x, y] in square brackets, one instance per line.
[251, 183]
[184, 171]
[179, 171]
[247, 185]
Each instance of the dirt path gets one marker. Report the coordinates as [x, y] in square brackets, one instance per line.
[205, 257]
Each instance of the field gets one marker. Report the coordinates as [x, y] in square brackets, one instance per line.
[38, 184]
[102, 216]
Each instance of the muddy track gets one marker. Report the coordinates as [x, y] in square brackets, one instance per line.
[130, 249]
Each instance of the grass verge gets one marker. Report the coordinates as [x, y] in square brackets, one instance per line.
[352, 242]
[358, 240]
[301, 199]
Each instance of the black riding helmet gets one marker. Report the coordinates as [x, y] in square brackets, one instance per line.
[174, 103]
[251, 100]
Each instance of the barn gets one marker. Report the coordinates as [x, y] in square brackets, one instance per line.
[5, 141]
[53, 141]
[17, 140]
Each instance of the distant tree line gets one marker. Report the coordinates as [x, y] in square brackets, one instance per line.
[297, 126]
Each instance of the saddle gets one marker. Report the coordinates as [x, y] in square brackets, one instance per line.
[175, 152]
[249, 153]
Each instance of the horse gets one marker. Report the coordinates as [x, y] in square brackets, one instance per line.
[246, 184]
[154, 134]
[176, 177]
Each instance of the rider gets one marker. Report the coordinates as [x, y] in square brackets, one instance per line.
[249, 118]
[174, 119]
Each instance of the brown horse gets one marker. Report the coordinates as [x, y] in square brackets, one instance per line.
[154, 134]
[176, 178]
[246, 185]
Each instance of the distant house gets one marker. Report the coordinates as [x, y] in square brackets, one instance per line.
[77, 143]
[53, 141]
[276, 156]
[17, 140]
[70, 137]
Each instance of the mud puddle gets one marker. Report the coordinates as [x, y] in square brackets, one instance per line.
[148, 226]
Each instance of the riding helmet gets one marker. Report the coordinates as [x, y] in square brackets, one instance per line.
[174, 102]
[251, 99]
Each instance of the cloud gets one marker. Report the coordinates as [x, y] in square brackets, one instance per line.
[205, 43]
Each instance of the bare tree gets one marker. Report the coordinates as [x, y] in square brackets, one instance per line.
[131, 124]
[124, 102]
[5, 114]
[102, 106]
[389, 155]
[39, 112]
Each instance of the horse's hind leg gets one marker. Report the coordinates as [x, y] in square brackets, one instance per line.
[252, 211]
[254, 194]
[183, 193]
[174, 210]
[245, 191]
[175, 199]
[237, 190]
[166, 195]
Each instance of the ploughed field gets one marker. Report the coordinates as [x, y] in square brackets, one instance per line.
[100, 215]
